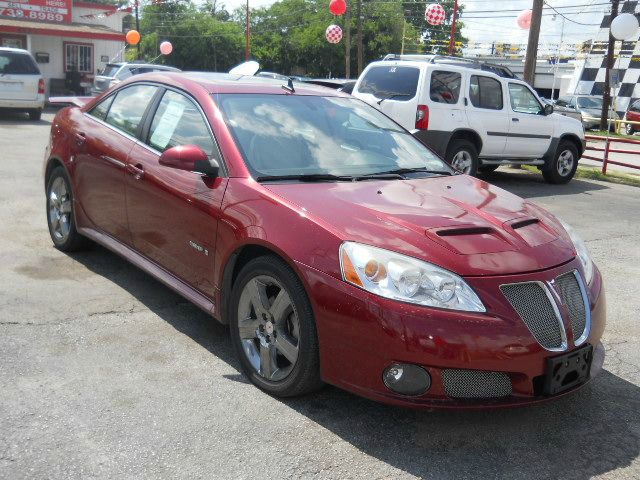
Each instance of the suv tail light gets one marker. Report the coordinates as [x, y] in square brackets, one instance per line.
[422, 117]
[41, 86]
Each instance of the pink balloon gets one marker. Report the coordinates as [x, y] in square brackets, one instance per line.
[434, 14]
[166, 48]
[524, 19]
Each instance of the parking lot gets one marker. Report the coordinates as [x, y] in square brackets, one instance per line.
[106, 373]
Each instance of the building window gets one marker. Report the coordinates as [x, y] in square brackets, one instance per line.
[78, 57]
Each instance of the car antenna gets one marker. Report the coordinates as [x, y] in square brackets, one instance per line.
[289, 86]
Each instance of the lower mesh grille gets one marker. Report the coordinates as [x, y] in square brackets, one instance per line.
[533, 305]
[571, 296]
[476, 384]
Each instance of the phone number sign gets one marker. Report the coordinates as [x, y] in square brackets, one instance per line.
[38, 10]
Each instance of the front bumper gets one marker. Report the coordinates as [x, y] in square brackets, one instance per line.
[361, 334]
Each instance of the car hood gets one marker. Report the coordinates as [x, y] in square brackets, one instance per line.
[460, 223]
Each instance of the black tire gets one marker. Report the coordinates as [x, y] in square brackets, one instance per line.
[35, 114]
[487, 168]
[629, 129]
[462, 146]
[304, 377]
[71, 241]
[557, 170]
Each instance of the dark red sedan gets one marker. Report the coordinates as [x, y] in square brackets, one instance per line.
[337, 247]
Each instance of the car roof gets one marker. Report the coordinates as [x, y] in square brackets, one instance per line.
[214, 82]
[423, 65]
[15, 50]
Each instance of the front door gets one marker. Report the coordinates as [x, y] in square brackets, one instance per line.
[530, 130]
[487, 115]
[173, 214]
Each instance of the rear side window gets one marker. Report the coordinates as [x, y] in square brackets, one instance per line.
[397, 83]
[100, 110]
[485, 92]
[15, 63]
[179, 122]
[445, 87]
[128, 107]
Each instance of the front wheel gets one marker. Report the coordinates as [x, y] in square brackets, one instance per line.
[564, 164]
[463, 156]
[273, 328]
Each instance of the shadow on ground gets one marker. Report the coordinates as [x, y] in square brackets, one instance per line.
[15, 119]
[590, 433]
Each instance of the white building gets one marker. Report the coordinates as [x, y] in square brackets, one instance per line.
[64, 35]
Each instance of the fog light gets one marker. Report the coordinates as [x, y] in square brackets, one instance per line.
[406, 379]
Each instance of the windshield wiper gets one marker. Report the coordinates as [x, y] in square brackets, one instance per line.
[404, 171]
[395, 95]
[311, 177]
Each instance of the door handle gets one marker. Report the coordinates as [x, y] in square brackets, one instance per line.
[136, 170]
[515, 119]
[81, 137]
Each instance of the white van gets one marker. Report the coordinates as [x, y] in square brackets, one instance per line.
[476, 116]
[21, 84]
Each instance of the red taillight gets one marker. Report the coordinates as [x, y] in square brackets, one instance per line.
[41, 86]
[422, 117]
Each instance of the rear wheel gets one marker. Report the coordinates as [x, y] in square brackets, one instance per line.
[60, 218]
[564, 164]
[273, 329]
[35, 114]
[463, 156]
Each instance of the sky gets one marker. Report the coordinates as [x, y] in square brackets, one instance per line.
[484, 25]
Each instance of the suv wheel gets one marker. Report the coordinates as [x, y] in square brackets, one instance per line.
[463, 156]
[273, 328]
[564, 164]
[35, 114]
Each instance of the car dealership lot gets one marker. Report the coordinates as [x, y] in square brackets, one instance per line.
[105, 372]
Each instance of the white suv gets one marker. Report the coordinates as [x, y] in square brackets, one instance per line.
[477, 116]
[21, 83]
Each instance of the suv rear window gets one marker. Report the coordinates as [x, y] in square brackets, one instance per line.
[399, 83]
[111, 70]
[17, 64]
[445, 86]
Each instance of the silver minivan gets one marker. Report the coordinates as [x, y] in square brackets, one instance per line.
[114, 73]
[22, 86]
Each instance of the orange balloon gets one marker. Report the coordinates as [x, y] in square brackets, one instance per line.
[133, 37]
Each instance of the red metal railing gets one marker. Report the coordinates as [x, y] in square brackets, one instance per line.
[608, 150]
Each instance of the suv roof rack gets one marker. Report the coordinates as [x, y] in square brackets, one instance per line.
[499, 70]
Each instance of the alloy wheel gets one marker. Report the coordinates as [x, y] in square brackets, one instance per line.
[462, 161]
[565, 163]
[269, 328]
[59, 210]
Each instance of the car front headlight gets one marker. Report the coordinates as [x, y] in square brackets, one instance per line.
[399, 277]
[581, 250]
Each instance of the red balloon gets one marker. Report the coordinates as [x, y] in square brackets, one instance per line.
[338, 7]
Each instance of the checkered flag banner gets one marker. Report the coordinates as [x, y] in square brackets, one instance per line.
[333, 34]
[434, 14]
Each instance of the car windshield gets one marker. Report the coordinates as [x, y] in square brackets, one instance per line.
[589, 102]
[110, 70]
[17, 63]
[288, 135]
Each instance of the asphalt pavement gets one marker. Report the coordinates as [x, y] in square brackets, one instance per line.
[106, 373]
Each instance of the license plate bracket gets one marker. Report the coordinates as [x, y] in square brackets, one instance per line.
[568, 370]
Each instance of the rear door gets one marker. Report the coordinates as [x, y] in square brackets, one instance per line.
[487, 114]
[19, 76]
[393, 89]
[530, 130]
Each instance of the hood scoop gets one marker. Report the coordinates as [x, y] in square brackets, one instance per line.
[455, 232]
[471, 239]
[532, 231]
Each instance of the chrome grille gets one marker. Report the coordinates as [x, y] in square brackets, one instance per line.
[531, 300]
[476, 384]
[570, 293]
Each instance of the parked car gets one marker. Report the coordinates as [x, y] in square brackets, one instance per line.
[22, 86]
[633, 115]
[563, 110]
[474, 118]
[114, 73]
[589, 107]
[337, 247]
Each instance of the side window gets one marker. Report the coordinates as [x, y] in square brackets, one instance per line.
[125, 72]
[523, 100]
[445, 86]
[562, 102]
[572, 102]
[179, 122]
[485, 92]
[128, 107]
[101, 109]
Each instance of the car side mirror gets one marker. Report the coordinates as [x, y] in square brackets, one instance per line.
[548, 109]
[190, 158]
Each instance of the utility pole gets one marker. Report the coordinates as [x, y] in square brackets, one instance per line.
[404, 27]
[359, 24]
[248, 34]
[137, 13]
[606, 94]
[532, 45]
[452, 40]
[347, 43]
